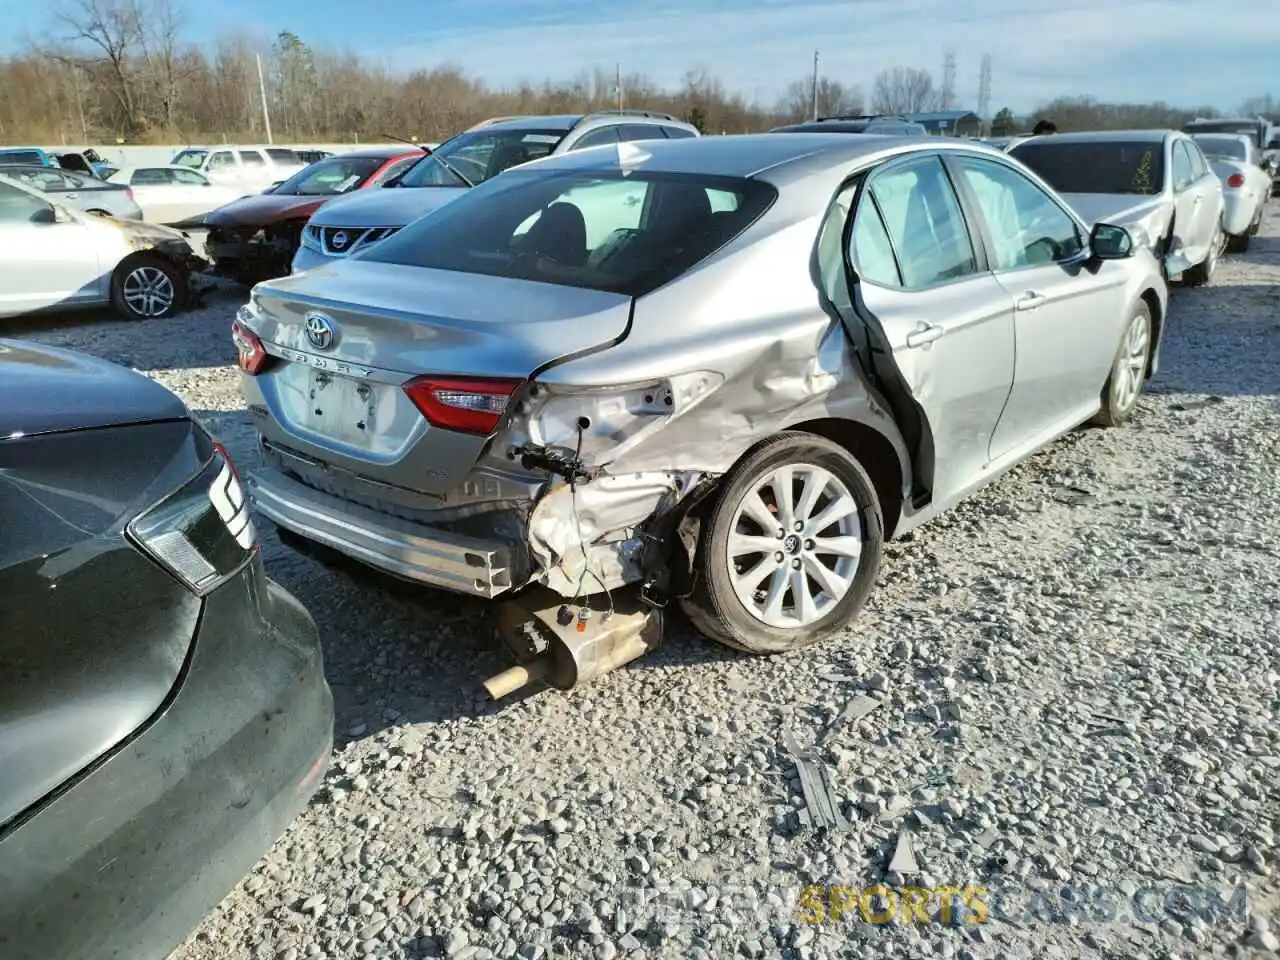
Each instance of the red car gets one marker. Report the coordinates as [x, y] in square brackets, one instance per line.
[255, 238]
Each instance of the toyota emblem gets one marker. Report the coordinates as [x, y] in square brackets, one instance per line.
[321, 331]
[339, 240]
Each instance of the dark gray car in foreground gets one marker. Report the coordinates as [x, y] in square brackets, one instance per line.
[163, 708]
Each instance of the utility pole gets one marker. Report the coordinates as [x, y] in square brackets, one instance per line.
[947, 98]
[984, 92]
[262, 89]
[815, 85]
[617, 84]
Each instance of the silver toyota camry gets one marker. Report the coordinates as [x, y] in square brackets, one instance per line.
[717, 371]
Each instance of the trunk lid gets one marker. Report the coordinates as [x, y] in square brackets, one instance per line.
[343, 403]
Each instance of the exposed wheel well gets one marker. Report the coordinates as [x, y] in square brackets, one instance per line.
[877, 456]
[1157, 319]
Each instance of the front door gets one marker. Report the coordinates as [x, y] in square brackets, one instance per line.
[1068, 313]
[44, 264]
[946, 320]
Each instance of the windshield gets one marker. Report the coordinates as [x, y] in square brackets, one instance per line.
[585, 229]
[327, 178]
[1105, 167]
[190, 158]
[481, 154]
[1232, 148]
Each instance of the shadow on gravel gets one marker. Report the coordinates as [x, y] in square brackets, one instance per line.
[399, 653]
[1262, 251]
[1222, 339]
[199, 336]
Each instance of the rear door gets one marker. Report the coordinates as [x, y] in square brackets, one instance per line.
[221, 167]
[1068, 319]
[157, 192]
[946, 320]
[1208, 191]
[1189, 235]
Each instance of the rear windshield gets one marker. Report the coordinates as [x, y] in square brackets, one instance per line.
[471, 158]
[280, 155]
[22, 156]
[190, 158]
[1231, 147]
[327, 178]
[1108, 167]
[600, 231]
[1249, 127]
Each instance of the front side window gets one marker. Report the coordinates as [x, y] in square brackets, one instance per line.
[600, 231]
[1102, 167]
[924, 222]
[188, 178]
[222, 161]
[1027, 228]
[1199, 168]
[18, 206]
[479, 155]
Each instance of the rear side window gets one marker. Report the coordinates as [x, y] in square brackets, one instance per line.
[22, 156]
[150, 177]
[596, 230]
[923, 219]
[282, 156]
[252, 159]
[678, 133]
[641, 131]
[598, 138]
[188, 178]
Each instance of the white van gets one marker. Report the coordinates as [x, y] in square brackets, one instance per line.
[252, 167]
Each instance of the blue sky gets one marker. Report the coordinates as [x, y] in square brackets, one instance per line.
[1182, 51]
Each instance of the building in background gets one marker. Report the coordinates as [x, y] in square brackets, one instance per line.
[949, 123]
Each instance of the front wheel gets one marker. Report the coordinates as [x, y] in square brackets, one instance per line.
[791, 548]
[1128, 370]
[148, 288]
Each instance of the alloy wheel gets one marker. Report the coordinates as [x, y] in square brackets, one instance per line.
[1131, 363]
[148, 291]
[794, 545]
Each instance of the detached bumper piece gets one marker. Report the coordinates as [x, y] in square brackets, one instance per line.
[439, 558]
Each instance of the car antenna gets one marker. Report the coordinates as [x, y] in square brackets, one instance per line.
[413, 143]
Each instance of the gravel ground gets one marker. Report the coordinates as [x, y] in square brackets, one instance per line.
[1074, 683]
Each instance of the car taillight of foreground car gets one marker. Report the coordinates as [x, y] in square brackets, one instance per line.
[202, 533]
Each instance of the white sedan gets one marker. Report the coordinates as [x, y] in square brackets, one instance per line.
[1246, 183]
[175, 195]
[52, 257]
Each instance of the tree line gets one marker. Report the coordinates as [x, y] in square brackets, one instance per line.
[124, 70]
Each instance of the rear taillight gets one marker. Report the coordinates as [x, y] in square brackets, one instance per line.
[467, 405]
[251, 355]
[128, 192]
[202, 533]
[1235, 180]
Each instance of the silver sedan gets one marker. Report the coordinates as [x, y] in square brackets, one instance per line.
[722, 371]
[79, 191]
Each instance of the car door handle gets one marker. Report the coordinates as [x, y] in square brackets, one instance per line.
[72, 196]
[924, 334]
[1030, 300]
[1197, 201]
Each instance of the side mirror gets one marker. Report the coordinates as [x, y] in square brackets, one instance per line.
[1108, 242]
[44, 215]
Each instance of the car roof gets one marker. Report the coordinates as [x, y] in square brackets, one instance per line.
[568, 121]
[1104, 136]
[156, 166]
[380, 153]
[779, 160]
[41, 168]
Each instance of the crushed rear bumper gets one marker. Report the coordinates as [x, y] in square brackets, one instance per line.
[479, 567]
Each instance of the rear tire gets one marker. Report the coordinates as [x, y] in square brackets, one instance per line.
[98, 213]
[1240, 242]
[147, 287]
[806, 500]
[1202, 273]
[1128, 371]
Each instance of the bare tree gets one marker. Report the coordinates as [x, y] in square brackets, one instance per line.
[834, 99]
[105, 33]
[903, 90]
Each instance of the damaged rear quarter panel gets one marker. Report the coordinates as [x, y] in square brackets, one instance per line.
[746, 349]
